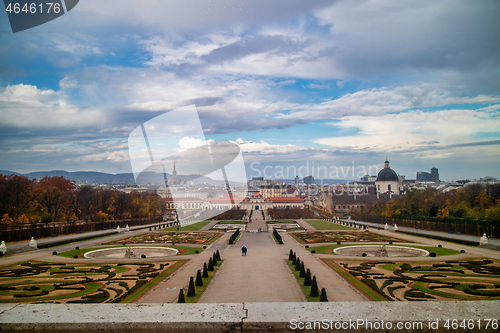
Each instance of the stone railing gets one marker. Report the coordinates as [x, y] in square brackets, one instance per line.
[250, 317]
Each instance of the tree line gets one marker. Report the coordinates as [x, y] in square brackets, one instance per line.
[474, 202]
[56, 199]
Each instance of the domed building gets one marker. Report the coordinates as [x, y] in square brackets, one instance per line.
[387, 180]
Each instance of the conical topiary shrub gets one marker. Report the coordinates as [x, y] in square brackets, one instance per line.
[290, 256]
[294, 259]
[218, 255]
[205, 270]
[214, 259]
[297, 264]
[314, 288]
[181, 297]
[322, 297]
[191, 291]
[210, 265]
[302, 270]
[307, 279]
[199, 280]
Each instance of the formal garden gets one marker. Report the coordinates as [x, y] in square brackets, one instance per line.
[182, 237]
[452, 280]
[42, 282]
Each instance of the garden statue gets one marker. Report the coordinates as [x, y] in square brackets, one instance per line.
[482, 241]
[32, 243]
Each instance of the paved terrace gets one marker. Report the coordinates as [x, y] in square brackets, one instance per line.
[243, 289]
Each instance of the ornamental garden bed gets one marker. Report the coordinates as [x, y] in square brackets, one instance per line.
[385, 280]
[42, 282]
[310, 237]
[189, 237]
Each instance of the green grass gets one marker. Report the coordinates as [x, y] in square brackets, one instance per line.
[146, 287]
[358, 284]
[72, 253]
[323, 225]
[200, 289]
[190, 227]
[231, 222]
[281, 221]
[440, 251]
[306, 290]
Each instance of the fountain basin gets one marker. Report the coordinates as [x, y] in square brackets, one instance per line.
[120, 252]
[375, 251]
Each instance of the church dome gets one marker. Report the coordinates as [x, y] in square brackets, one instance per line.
[387, 174]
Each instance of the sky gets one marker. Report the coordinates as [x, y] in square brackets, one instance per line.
[300, 86]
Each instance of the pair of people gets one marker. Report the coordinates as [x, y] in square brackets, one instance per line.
[244, 250]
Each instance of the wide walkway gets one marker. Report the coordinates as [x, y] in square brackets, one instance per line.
[261, 276]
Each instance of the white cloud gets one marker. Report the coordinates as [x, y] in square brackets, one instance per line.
[189, 142]
[27, 107]
[406, 131]
[379, 101]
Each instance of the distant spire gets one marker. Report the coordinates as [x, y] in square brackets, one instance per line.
[174, 176]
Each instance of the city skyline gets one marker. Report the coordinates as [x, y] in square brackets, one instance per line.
[336, 84]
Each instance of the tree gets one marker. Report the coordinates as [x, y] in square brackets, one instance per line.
[205, 270]
[322, 297]
[210, 265]
[314, 288]
[54, 195]
[17, 195]
[199, 280]
[307, 279]
[191, 291]
[181, 297]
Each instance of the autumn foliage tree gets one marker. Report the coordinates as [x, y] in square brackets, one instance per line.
[471, 202]
[55, 199]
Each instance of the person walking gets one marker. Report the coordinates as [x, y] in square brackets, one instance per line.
[243, 250]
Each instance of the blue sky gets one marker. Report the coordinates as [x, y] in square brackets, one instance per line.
[337, 83]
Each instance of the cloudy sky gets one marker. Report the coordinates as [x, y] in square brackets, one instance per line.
[338, 84]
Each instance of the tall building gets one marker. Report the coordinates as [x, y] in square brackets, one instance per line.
[174, 176]
[296, 181]
[434, 176]
[387, 180]
[309, 180]
[423, 176]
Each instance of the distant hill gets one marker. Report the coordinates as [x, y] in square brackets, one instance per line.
[90, 177]
[7, 173]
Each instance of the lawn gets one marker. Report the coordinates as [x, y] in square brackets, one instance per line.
[324, 225]
[231, 222]
[190, 227]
